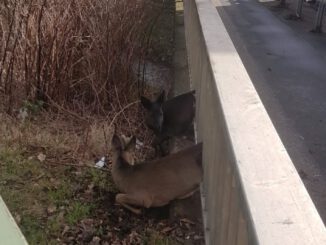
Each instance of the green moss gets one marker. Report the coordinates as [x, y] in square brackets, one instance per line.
[59, 195]
[154, 238]
[33, 230]
[54, 226]
[77, 211]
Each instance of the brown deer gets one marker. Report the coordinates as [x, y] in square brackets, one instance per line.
[154, 183]
[169, 118]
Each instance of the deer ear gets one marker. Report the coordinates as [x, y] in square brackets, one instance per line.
[147, 104]
[160, 99]
[132, 143]
[116, 142]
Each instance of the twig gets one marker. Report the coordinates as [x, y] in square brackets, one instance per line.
[8, 39]
[121, 111]
[105, 138]
[39, 50]
[117, 96]
[64, 109]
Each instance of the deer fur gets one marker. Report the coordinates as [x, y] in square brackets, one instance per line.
[154, 183]
[169, 118]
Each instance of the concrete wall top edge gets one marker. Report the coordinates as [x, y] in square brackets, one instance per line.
[280, 207]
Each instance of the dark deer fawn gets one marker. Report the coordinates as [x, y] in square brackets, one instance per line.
[169, 118]
[154, 183]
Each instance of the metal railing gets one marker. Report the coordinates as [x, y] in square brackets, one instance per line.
[318, 17]
[252, 193]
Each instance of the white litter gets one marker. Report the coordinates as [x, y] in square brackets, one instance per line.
[139, 144]
[41, 157]
[100, 163]
[23, 114]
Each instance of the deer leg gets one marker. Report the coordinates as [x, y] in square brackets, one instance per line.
[128, 200]
[162, 150]
[162, 147]
[159, 145]
[156, 146]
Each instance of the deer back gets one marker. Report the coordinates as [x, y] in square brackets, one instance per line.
[163, 179]
[178, 114]
[172, 117]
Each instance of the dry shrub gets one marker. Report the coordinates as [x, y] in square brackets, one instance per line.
[77, 54]
[82, 58]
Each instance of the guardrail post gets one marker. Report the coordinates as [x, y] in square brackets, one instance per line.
[319, 17]
[299, 9]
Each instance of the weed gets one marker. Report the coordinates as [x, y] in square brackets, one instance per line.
[78, 211]
[54, 226]
[13, 200]
[98, 178]
[33, 230]
[60, 195]
[33, 107]
[155, 238]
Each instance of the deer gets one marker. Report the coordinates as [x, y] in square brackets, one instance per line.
[169, 118]
[157, 182]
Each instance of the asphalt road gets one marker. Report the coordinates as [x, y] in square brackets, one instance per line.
[287, 65]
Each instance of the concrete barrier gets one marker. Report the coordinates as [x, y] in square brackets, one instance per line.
[9, 231]
[252, 192]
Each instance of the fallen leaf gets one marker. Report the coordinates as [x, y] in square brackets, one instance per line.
[61, 216]
[95, 241]
[51, 209]
[184, 220]
[18, 218]
[41, 157]
[167, 229]
[65, 230]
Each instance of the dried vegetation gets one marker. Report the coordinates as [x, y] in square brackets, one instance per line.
[70, 74]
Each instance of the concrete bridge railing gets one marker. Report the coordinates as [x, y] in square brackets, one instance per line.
[252, 193]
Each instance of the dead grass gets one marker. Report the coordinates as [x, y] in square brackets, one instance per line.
[64, 139]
